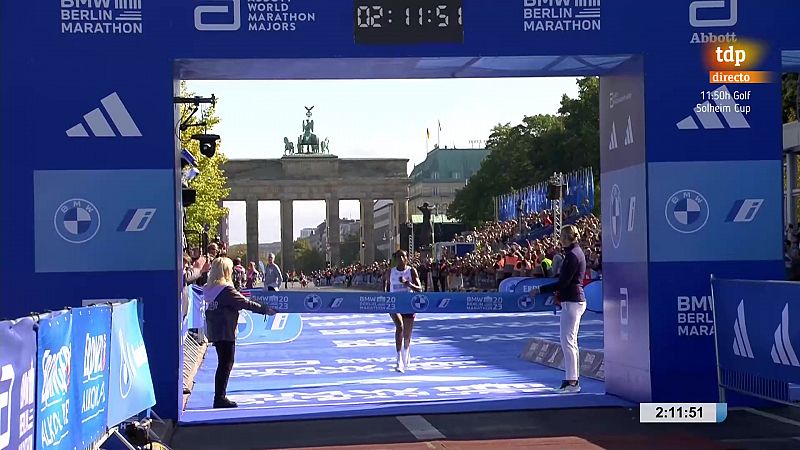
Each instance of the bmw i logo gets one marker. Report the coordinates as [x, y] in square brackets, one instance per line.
[313, 302]
[525, 303]
[419, 302]
[687, 211]
[616, 216]
[77, 220]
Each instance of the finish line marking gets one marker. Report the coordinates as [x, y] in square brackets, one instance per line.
[774, 417]
[420, 428]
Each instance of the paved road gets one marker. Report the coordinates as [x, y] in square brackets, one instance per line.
[555, 429]
[578, 429]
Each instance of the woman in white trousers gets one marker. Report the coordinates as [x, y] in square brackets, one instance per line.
[569, 294]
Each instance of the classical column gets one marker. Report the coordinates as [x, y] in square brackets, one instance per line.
[368, 230]
[332, 221]
[287, 235]
[400, 218]
[251, 216]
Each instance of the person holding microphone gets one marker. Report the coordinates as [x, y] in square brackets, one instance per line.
[570, 296]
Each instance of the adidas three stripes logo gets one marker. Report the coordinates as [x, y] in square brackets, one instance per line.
[98, 122]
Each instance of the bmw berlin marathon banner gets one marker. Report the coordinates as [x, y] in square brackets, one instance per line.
[17, 384]
[91, 332]
[402, 302]
[130, 389]
[54, 429]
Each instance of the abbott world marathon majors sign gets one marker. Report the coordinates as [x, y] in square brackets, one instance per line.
[691, 166]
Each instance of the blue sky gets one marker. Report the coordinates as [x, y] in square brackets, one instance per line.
[365, 119]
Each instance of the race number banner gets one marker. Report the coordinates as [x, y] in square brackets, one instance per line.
[54, 428]
[91, 333]
[17, 384]
[402, 302]
[130, 389]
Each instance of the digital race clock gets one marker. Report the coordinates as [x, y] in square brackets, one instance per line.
[408, 21]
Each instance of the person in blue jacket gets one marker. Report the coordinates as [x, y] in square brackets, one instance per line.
[569, 294]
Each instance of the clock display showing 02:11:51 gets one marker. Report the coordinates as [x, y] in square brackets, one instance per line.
[393, 22]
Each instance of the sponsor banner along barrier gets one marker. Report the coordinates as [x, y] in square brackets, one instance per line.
[757, 329]
[401, 302]
[55, 410]
[522, 285]
[542, 351]
[130, 388]
[91, 333]
[70, 360]
[17, 384]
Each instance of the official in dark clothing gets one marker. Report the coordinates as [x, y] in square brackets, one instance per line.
[223, 304]
[569, 294]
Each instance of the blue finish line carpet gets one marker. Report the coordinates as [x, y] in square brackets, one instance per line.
[343, 365]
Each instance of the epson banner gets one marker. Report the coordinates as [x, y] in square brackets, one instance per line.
[17, 384]
[130, 389]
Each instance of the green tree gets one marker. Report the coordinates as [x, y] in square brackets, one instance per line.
[789, 85]
[306, 258]
[210, 183]
[349, 250]
[528, 153]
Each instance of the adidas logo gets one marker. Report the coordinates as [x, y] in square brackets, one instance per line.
[782, 350]
[709, 118]
[741, 343]
[629, 133]
[613, 145]
[100, 127]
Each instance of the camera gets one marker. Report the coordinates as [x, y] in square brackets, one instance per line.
[208, 143]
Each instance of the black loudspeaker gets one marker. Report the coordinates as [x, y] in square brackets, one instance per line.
[188, 196]
[556, 191]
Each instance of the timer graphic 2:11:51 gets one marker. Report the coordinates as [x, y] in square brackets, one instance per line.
[408, 22]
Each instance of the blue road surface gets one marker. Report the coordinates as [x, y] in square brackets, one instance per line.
[343, 365]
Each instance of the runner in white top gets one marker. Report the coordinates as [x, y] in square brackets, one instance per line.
[402, 278]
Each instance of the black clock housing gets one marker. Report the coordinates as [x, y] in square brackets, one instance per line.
[408, 22]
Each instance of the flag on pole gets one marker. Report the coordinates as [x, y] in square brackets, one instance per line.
[428, 131]
[440, 125]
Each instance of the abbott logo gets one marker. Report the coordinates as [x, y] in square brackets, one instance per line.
[697, 22]
[234, 7]
[99, 125]
[741, 343]
[782, 350]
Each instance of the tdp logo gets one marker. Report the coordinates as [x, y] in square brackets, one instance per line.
[136, 219]
[731, 6]
[745, 210]
[731, 55]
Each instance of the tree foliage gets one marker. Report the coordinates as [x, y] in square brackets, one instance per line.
[789, 85]
[210, 183]
[306, 258]
[527, 153]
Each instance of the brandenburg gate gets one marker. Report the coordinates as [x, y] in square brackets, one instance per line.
[310, 172]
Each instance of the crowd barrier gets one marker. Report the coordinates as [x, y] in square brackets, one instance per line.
[580, 189]
[593, 291]
[756, 326]
[68, 377]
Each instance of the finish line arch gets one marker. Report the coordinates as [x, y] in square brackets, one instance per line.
[88, 117]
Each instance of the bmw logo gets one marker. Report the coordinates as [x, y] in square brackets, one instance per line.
[525, 303]
[77, 220]
[687, 211]
[419, 302]
[313, 302]
[244, 325]
[616, 216]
